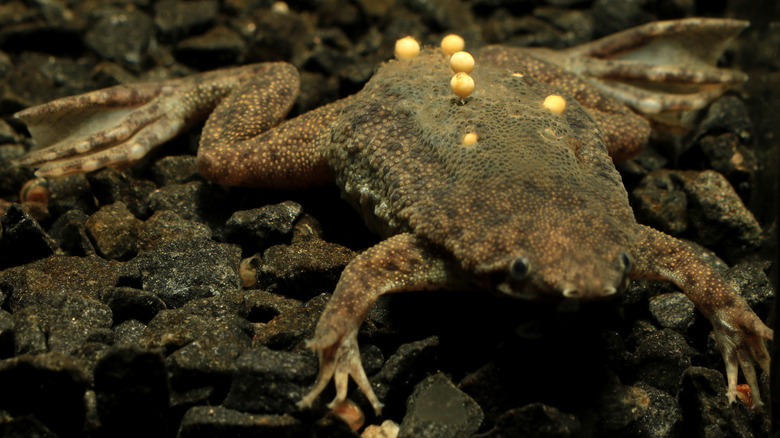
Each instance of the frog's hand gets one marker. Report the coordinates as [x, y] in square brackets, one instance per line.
[677, 57]
[119, 125]
[400, 263]
[739, 333]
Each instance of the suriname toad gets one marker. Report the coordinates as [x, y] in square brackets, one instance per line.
[509, 188]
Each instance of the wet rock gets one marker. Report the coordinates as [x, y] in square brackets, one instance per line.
[270, 381]
[217, 47]
[6, 334]
[185, 270]
[177, 169]
[121, 35]
[195, 200]
[173, 329]
[23, 239]
[128, 303]
[663, 356]
[535, 420]
[208, 422]
[700, 204]
[131, 384]
[706, 411]
[726, 154]
[50, 387]
[751, 281]
[166, 227]
[408, 365]
[114, 230]
[39, 77]
[674, 311]
[303, 268]
[260, 227]
[209, 361]
[620, 407]
[612, 16]
[129, 332]
[438, 409]
[263, 306]
[663, 416]
[278, 36]
[292, 326]
[110, 185]
[67, 320]
[175, 19]
[69, 231]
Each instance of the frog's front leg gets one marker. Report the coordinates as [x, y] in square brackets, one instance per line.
[117, 126]
[739, 333]
[400, 263]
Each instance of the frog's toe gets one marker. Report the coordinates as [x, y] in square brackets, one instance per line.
[339, 361]
[743, 345]
[77, 134]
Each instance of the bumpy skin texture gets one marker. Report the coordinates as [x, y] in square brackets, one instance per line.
[534, 209]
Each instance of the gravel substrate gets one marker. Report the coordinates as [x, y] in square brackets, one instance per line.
[123, 311]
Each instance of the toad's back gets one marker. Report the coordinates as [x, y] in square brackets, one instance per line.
[399, 154]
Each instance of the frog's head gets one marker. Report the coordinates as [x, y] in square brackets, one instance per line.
[555, 266]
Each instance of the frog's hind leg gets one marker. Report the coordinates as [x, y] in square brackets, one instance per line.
[236, 149]
[665, 66]
[117, 126]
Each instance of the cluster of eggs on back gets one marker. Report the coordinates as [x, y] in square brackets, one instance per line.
[462, 64]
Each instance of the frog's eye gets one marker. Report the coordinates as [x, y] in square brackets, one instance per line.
[625, 262]
[519, 268]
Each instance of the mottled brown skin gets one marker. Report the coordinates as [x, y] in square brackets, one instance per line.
[534, 209]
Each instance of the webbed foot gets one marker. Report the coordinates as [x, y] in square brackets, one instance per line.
[339, 359]
[741, 340]
[664, 66]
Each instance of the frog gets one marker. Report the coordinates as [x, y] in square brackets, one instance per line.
[490, 190]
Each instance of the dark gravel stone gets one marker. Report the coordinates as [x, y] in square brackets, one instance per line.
[264, 306]
[293, 325]
[408, 365]
[69, 231]
[114, 231]
[535, 420]
[702, 205]
[209, 361]
[166, 227]
[23, 240]
[176, 169]
[49, 387]
[128, 303]
[209, 422]
[619, 407]
[438, 409]
[185, 270]
[121, 35]
[131, 390]
[129, 332]
[663, 417]
[173, 329]
[6, 334]
[706, 411]
[175, 19]
[302, 269]
[270, 381]
[195, 200]
[110, 185]
[674, 311]
[219, 46]
[663, 356]
[264, 226]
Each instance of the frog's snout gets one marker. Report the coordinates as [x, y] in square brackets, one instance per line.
[596, 286]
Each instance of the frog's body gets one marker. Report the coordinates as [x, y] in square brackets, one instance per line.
[534, 208]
